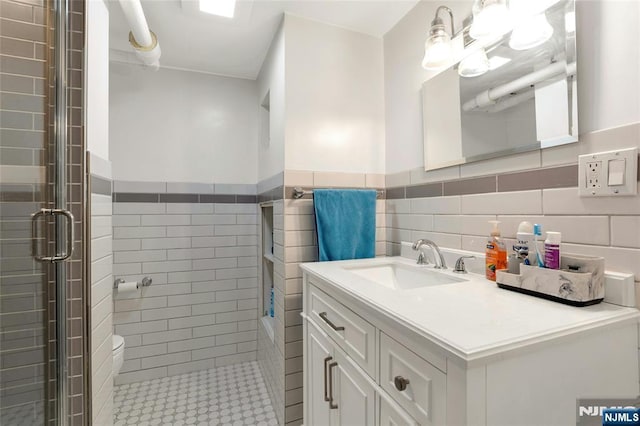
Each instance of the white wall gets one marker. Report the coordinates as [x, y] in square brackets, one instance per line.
[334, 99]
[97, 78]
[272, 80]
[608, 73]
[608, 63]
[179, 126]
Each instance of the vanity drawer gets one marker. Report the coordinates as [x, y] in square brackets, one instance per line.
[351, 332]
[415, 384]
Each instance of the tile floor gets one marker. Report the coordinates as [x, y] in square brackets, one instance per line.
[231, 395]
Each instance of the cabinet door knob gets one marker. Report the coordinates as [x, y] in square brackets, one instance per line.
[400, 383]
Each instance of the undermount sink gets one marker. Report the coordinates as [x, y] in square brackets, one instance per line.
[402, 277]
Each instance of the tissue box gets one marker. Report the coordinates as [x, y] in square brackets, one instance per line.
[579, 282]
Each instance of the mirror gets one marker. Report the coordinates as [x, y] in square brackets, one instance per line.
[526, 100]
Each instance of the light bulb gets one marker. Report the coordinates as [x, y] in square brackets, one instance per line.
[437, 52]
[490, 19]
[474, 65]
[530, 33]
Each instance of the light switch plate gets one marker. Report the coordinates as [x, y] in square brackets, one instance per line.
[608, 174]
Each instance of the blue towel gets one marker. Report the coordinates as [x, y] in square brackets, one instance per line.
[345, 223]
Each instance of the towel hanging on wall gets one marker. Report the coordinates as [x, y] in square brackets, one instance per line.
[345, 223]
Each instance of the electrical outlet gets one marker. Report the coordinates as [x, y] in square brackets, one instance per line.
[608, 174]
[594, 174]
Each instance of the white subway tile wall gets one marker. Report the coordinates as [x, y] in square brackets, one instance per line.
[101, 309]
[201, 310]
[607, 226]
[299, 246]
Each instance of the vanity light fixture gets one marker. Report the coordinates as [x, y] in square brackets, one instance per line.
[225, 8]
[438, 52]
[475, 64]
[531, 32]
[496, 62]
[490, 19]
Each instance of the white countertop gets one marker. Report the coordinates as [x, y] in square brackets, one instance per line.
[472, 319]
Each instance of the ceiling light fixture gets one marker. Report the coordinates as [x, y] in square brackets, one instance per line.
[531, 32]
[474, 65]
[490, 19]
[438, 52]
[225, 8]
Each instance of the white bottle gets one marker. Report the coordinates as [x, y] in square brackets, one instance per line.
[524, 241]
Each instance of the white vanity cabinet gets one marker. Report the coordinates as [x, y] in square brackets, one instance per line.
[366, 362]
[339, 392]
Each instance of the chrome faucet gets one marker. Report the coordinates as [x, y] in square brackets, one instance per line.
[439, 258]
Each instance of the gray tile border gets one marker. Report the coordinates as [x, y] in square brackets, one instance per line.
[135, 197]
[224, 198]
[479, 185]
[396, 193]
[273, 194]
[424, 190]
[178, 198]
[131, 197]
[565, 176]
[246, 199]
[100, 185]
[553, 177]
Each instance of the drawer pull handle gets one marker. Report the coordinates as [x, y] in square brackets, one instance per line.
[400, 383]
[331, 404]
[323, 315]
[326, 360]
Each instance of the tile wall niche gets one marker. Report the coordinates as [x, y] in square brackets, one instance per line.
[271, 358]
[198, 243]
[101, 291]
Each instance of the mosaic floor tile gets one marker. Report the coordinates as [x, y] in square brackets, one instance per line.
[234, 395]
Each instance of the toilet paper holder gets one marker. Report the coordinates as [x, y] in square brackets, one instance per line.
[146, 282]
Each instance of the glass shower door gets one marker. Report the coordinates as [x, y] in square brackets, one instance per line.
[37, 231]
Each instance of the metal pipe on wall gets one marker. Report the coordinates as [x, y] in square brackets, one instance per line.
[489, 97]
[143, 40]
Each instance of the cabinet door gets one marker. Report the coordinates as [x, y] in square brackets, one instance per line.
[320, 355]
[391, 414]
[353, 393]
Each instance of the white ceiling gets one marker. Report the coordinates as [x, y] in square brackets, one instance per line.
[237, 47]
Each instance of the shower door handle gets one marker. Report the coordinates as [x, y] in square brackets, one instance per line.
[70, 237]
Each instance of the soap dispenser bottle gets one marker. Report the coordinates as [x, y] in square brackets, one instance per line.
[496, 252]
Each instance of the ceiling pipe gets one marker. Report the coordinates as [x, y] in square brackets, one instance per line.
[144, 41]
[491, 96]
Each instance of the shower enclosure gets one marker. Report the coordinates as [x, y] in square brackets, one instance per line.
[42, 198]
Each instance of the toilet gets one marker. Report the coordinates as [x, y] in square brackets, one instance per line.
[118, 354]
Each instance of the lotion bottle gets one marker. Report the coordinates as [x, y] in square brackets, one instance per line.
[552, 250]
[496, 252]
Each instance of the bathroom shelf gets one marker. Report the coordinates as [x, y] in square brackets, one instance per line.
[266, 268]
